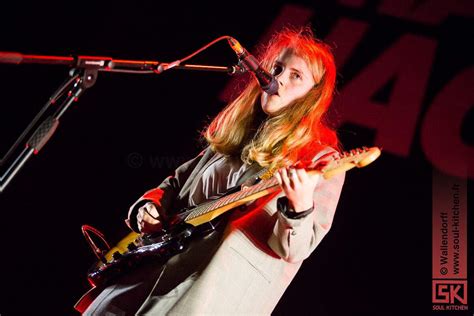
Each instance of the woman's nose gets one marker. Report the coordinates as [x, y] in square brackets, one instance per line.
[281, 78]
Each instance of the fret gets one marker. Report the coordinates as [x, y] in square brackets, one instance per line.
[208, 206]
[218, 203]
[226, 199]
[240, 195]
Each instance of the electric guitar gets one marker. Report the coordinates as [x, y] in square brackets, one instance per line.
[136, 248]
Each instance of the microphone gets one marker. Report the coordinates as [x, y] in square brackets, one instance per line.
[267, 82]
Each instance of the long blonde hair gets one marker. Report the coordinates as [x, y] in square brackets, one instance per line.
[295, 133]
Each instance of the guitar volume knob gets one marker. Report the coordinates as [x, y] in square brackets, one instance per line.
[116, 255]
[131, 246]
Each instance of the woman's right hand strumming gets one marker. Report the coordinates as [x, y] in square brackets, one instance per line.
[148, 219]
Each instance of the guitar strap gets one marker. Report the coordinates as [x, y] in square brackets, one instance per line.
[250, 176]
[203, 163]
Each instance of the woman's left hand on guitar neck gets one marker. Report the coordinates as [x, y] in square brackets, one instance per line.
[298, 186]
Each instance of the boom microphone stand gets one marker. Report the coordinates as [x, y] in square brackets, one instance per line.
[82, 76]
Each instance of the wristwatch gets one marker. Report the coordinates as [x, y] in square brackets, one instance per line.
[283, 206]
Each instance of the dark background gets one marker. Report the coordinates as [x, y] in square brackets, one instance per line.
[129, 132]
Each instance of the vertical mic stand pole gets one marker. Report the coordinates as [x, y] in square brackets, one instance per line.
[79, 81]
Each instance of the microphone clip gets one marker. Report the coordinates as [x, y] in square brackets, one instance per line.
[238, 69]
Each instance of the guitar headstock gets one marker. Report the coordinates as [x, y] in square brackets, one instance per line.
[339, 162]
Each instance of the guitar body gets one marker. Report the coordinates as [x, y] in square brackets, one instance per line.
[159, 247]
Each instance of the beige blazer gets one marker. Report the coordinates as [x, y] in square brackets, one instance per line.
[252, 264]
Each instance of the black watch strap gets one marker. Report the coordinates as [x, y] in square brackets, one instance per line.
[283, 206]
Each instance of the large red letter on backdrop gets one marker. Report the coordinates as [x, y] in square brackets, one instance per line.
[441, 129]
[408, 61]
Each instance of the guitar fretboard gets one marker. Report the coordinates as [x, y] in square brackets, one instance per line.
[229, 199]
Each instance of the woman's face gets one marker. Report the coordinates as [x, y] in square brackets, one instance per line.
[294, 81]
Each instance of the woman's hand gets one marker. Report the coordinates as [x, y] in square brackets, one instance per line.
[148, 219]
[298, 186]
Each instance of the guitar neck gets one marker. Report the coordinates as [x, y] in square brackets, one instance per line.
[210, 210]
[332, 164]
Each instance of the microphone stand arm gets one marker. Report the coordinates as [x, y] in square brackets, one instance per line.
[109, 64]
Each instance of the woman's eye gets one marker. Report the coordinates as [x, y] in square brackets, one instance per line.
[295, 75]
